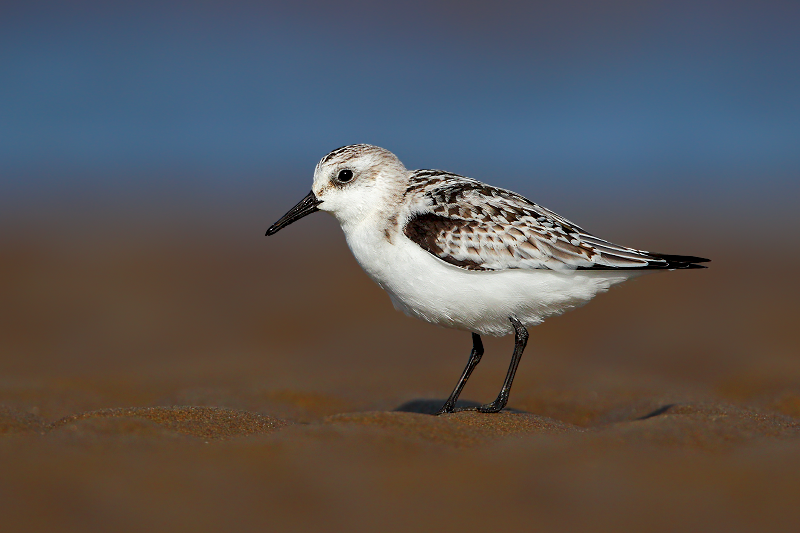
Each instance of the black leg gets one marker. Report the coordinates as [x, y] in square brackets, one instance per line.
[520, 340]
[474, 359]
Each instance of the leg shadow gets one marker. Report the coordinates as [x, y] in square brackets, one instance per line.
[431, 407]
[657, 412]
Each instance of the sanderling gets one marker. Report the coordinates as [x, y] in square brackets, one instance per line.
[462, 254]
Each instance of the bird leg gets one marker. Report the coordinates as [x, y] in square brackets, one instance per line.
[520, 340]
[474, 359]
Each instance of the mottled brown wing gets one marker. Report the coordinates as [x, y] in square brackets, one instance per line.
[478, 227]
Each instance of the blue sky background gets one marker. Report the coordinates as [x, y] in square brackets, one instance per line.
[195, 101]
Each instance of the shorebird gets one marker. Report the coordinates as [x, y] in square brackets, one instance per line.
[461, 254]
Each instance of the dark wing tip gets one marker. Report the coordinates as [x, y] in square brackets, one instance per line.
[680, 261]
[657, 262]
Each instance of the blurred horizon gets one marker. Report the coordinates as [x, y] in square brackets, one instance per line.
[664, 105]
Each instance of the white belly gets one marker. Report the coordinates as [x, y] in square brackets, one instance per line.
[423, 286]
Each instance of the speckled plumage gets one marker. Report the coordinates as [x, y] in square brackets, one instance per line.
[479, 227]
[459, 253]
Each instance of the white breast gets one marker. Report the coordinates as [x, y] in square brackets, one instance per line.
[426, 287]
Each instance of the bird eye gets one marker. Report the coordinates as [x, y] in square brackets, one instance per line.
[345, 175]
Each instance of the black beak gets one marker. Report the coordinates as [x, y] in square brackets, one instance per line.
[306, 206]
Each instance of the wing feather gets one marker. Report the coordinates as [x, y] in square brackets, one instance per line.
[478, 227]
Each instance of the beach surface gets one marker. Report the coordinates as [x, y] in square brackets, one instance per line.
[197, 383]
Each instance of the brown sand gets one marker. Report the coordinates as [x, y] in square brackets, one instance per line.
[180, 385]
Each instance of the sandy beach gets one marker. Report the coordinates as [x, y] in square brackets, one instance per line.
[208, 385]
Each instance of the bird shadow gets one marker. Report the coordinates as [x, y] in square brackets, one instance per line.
[432, 406]
[660, 411]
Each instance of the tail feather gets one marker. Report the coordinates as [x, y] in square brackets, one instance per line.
[680, 261]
